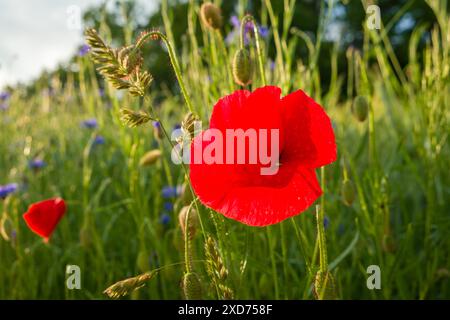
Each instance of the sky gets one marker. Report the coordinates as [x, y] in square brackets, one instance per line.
[39, 34]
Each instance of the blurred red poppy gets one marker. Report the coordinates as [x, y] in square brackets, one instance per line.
[238, 190]
[42, 217]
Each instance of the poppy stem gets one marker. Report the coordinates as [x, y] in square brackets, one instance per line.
[245, 20]
[320, 216]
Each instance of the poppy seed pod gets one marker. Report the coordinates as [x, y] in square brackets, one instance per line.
[192, 221]
[150, 158]
[192, 286]
[360, 108]
[211, 15]
[348, 192]
[242, 67]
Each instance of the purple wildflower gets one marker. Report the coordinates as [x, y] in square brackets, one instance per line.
[98, 140]
[171, 192]
[272, 65]
[8, 189]
[84, 50]
[164, 219]
[4, 95]
[36, 164]
[264, 31]
[90, 123]
[168, 206]
[4, 106]
[326, 222]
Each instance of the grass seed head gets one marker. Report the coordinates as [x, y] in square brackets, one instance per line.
[127, 286]
[150, 158]
[133, 118]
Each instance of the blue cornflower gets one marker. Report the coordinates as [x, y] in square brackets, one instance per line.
[177, 126]
[98, 140]
[234, 20]
[326, 222]
[156, 124]
[168, 206]
[36, 164]
[171, 192]
[272, 65]
[248, 31]
[4, 95]
[263, 31]
[90, 123]
[164, 219]
[8, 189]
[84, 50]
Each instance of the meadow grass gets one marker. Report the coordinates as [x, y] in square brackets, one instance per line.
[397, 159]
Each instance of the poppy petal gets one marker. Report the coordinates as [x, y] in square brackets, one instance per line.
[311, 138]
[42, 217]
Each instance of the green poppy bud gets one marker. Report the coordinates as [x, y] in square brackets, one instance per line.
[211, 15]
[360, 108]
[192, 221]
[348, 192]
[242, 67]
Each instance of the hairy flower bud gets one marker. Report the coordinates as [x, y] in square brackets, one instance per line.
[192, 221]
[242, 67]
[360, 108]
[192, 287]
[211, 15]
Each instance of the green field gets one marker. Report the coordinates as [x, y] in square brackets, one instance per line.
[120, 224]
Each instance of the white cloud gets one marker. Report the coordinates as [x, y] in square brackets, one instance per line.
[34, 35]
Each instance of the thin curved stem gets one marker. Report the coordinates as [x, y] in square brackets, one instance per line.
[173, 60]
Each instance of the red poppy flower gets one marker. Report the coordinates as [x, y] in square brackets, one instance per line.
[42, 217]
[239, 191]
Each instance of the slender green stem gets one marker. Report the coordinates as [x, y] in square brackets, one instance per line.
[173, 60]
[245, 20]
